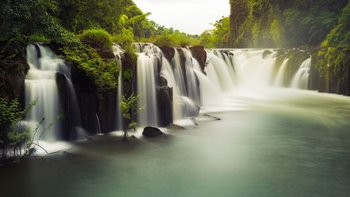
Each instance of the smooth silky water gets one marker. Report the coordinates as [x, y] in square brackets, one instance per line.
[277, 142]
[268, 141]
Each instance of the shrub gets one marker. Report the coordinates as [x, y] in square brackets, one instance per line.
[10, 131]
[37, 38]
[96, 38]
[104, 73]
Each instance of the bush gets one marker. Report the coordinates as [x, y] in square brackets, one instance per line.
[10, 131]
[104, 73]
[37, 38]
[96, 38]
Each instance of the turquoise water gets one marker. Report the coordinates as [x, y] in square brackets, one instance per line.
[287, 143]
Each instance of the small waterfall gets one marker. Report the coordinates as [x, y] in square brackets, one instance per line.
[168, 74]
[178, 73]
[218, 71]
[99, 131]
[118, 52]
[146, 86]
[40, 85]
[301, 77]
[279, 82]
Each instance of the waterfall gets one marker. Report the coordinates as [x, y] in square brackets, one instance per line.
[146, 86]
[301, 77]
[118, 52]
[40, 85]
[168, 74]
[279, 82]
[248, 68]
[99, 130]
[180, 75]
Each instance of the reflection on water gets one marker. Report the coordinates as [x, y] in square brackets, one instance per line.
[269, 143]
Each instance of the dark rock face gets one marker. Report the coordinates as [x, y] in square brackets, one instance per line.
[152, 132]
[93, 103]
[13, 70]
[87, 98]
[107, 110]
[165, 105]
[168, 52]
[199, 53]
[65, 120]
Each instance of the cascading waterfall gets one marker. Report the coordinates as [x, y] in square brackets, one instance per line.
[252, 69]
[219, 72]
[146, 85]
[301, 77]
[226, 71]
[186, 96]
[41, 86]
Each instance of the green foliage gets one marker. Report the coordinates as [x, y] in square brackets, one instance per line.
[104, 73]
[172, 38]
[77, 15]
[10, 112]
[340, 34]
[206, 39]
[280, 23]
[129, 108]
[125, 38]
[96, 38]
[37, 38]
[218, 37]
[333, 67]
[12, 133]
[23, 18]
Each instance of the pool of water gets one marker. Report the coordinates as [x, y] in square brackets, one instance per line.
[279, 143]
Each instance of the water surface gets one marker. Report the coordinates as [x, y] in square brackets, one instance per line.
[276, 143]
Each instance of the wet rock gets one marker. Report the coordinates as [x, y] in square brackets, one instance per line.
[199, 53]
[13, 70]
[152, 132]
[165, 103]
[168, 52]
[87, 98]
[266, 53]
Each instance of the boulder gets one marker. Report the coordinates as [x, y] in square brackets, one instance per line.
[168, 52]
[200, 55]
[152, 132]
[266, 53]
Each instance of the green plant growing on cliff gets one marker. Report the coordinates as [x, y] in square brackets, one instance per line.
[96, 38]
[104, 73]
[129, 108]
